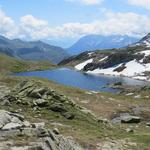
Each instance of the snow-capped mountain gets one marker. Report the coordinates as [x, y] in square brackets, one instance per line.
[132, 61]
[95, 42]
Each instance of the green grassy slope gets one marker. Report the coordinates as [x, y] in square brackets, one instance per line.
[9, 64]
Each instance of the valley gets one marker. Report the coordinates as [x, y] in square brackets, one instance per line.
[96, 131]
[42, 109]
[75, 75]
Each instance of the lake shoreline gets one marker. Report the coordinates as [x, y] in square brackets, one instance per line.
[73, 78]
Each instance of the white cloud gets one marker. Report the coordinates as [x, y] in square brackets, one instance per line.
[115, 23]
[87, 2]
[140, 3]
[7, 25]
[33, 27]
[32, 22]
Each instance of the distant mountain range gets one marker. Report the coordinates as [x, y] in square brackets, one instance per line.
[35, 50]
[38, 50]
[96, 42]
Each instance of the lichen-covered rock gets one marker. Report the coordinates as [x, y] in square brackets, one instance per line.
[10, 120]
[130, 119]
[4, 118]
[12, 126]
[38, 96]
[35, 94]
[41, 102]
[126, 118]
[58, 107]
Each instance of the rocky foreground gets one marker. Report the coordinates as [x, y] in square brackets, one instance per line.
[14, 128]
[14, 125]
[35, 116]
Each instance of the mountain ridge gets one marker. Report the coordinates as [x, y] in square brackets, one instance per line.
[32, 50]
[95, 42]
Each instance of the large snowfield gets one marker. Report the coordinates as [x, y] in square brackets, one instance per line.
[132, 69]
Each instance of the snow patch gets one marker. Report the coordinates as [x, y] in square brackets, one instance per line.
[82, 65]
[103, 59]
[147, 43]
[141, 78]
[133, 69]
[146, 52]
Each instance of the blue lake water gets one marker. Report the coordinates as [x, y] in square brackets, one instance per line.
[81, 80]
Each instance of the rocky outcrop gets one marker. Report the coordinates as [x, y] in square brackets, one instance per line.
[10, 121]
[37, 96]
[113, 59]
[146, 60]
[130, 119]
[126, 118]
[14, 124]
[116, 145]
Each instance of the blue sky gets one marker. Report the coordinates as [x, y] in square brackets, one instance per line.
[58, 12]
[68, 20]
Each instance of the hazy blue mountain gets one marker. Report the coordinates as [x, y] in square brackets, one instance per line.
[34, 50]
[94, 42]
[61, 42]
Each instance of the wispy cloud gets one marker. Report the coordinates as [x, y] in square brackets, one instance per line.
[140, 3]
